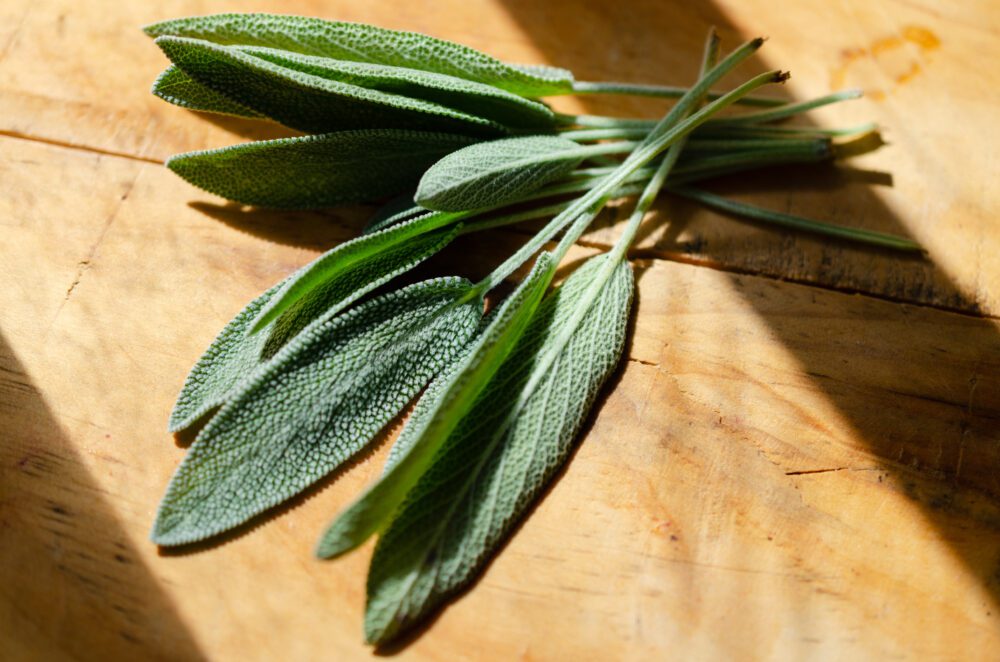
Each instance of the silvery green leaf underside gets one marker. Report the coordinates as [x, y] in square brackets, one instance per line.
[437, 414]
[367, 43]
[322, 398]
[235, 353]
[496, 172]
[310, 172]
[501, 455]
[308, 102]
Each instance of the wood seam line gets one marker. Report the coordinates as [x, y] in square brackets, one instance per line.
[637, 254]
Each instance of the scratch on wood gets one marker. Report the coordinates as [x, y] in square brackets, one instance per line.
[84, 265]
[805, 472]
[17, 135]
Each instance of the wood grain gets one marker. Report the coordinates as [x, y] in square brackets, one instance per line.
[781, 469]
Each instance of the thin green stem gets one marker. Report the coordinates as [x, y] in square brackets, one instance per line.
[656, 182]
[604, 134]
[602, 122]
[797, 222]
[697, 145]
[662, 91]
[732, 163]
[790, 109]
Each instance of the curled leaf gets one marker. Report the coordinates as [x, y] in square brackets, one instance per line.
[344, 259]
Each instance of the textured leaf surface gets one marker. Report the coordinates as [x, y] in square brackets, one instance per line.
[492, 173]
[322, 170]
[502, 454]
[367, 43]
[176, 87]
[236, 353]
[431, 424]
[344, 259]
[467, 96]
[322, 399]
[307, 102]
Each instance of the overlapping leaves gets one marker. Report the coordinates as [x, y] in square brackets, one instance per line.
[367, 43]
[318, 402]
[357, 267]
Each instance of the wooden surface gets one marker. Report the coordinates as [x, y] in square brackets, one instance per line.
[800, 457]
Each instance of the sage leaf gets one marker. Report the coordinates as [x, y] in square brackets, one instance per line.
[492, 173]
[308, 102]
[434, 421]
[467, 96]
[309, 172]
[502, 454]
[342, 261]
[176, 87]
[236, 353]
[322, 399]
[367, 43]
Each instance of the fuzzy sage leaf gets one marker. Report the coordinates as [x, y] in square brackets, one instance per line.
[317, 171]
[502, 453]
[367, 43]
[308, 102]
[323, 398]
[176, 87]
[236, 353]
[489, 174]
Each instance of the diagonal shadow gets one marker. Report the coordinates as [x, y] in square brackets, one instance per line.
[73, 585]
[933, 431]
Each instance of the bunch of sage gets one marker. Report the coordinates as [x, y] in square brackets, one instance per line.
[313, 369]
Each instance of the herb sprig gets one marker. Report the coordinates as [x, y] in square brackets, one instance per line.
[312, 370]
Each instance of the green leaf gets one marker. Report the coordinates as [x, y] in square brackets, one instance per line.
[343, 260]
[176, 87]
[307, 102]
[367, 43]
[467, 96]
[438, 415]
[503, 453]
[492, 173]
[316, 171]
[235, 353]
[322, 399]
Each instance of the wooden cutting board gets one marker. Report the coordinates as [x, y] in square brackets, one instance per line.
[799, 458]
